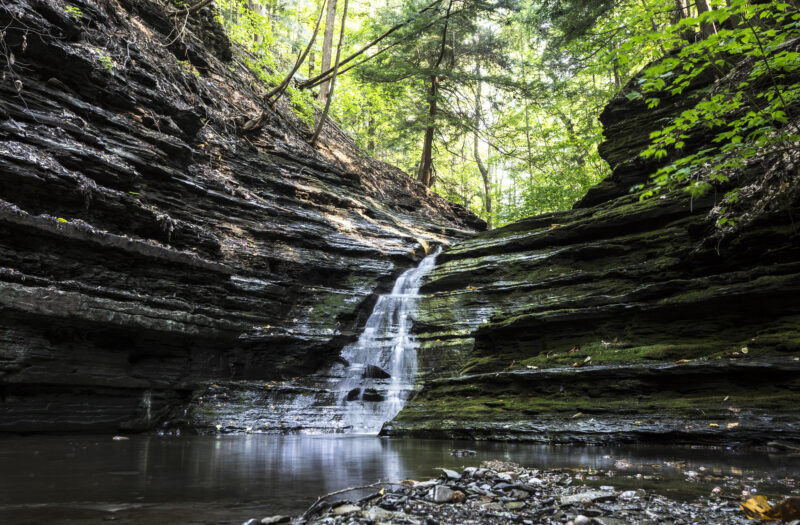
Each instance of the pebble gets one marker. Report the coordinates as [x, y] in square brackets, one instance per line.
[346, 509]
[274, 520]
[589, 496]
[441, 494]
[556, 497]
[451, 474]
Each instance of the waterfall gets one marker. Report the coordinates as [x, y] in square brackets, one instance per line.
[382, 364]
[147, 403]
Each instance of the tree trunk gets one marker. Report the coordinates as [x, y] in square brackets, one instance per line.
[256, 7]
[425, 172]
[707, 28]
[528, 126]
[680, 11]
[329, 96]
[370, 130]
[327, 46]
[280, 88]
[487, 183]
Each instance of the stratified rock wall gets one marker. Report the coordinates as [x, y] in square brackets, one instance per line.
[147, 244]
[619, 320]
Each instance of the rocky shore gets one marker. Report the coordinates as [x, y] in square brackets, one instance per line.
[504, 492]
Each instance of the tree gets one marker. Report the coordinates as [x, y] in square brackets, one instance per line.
[487, 184]
[329, 95]
[327, 47]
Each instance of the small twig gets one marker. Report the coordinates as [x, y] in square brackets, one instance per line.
[179, 34]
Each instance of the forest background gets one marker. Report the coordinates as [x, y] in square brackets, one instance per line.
[494, 104]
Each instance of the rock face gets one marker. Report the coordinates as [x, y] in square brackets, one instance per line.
[148, 245]
[616, 321]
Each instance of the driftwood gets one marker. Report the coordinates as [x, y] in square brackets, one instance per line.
[314, 506]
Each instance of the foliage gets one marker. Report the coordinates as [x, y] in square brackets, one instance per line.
[546, 69]
[74, 11]
[107, 62]
[746, 113]
[266, 54]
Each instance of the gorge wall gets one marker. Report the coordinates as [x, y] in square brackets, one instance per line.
[620, 320]
[149, 246]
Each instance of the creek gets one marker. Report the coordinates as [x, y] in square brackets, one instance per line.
[223, 479]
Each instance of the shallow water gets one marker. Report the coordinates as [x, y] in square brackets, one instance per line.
[227, 479]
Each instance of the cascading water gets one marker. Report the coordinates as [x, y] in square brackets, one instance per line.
[366, 388]
[383, 362]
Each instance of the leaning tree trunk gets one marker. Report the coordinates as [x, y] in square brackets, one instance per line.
[327, 46]
[329, 96]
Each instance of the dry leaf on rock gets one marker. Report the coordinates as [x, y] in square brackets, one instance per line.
[786, 510]
[758, 508]
[754, 508]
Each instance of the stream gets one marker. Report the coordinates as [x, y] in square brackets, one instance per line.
[225, 479]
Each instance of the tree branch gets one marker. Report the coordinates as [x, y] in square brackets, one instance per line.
[280, 88]
[191, 9]
[316, 80]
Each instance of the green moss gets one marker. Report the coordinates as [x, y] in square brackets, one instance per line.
[511, 405]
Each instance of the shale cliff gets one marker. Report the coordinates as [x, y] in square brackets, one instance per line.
[148, 245]
[620, 320]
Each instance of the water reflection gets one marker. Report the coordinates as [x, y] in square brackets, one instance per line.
[285, 473]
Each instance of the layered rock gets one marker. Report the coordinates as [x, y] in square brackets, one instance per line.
[148, 244]
[620, 320]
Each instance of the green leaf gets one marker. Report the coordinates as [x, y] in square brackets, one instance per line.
[633, 95]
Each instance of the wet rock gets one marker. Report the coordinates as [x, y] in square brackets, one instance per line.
[346, 509]
[632, 494]
[600, 507]
[451, 474]
[375, 372]
[271, 520]
[379, 514]
[150, 250]
[441, 494]
[354, 394]
[590, 496]
[370, 394]
[630, 291]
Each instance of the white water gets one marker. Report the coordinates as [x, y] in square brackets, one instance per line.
[147, 402]
[368, 402]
